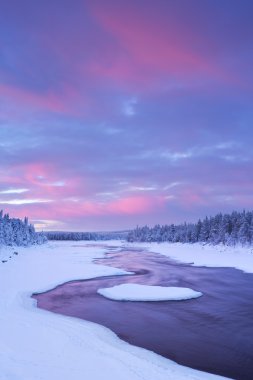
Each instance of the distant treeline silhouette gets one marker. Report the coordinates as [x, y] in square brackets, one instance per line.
[76, 236]
[228, 229]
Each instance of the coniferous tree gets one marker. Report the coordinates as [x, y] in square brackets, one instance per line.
[229, 229]
[14, 231]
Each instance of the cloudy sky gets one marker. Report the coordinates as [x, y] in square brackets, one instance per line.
[116, 113]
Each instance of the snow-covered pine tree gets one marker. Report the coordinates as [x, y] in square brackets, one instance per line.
[229, 229]
[14, 231]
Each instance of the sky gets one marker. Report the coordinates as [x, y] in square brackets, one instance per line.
[117, 113]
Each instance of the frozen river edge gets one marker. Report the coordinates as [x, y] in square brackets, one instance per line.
[36, 344]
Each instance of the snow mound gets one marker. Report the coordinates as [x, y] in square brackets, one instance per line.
[136, 292]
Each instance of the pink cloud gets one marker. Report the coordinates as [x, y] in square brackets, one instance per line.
[43, 181]
[152, 46]
[67, 210]
[19, 96]
[125, 206]
[68, 101]
[134, 205]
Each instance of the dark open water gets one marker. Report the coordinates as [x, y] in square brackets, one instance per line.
[213, 333]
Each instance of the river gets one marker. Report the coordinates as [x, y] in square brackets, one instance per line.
[213, 333]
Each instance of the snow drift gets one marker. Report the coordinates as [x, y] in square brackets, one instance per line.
[136, 292]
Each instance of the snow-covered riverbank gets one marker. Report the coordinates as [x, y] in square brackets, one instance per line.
[204, 255]
[36, 344]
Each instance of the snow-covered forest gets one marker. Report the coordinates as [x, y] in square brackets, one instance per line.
[14, 231]
[228, 229]
[64, 235]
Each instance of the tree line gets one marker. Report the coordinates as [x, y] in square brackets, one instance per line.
[14, 231]
[227, 229]
[78, 236]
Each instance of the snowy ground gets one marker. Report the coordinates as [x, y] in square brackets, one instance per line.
[39, 345]
[136, 292]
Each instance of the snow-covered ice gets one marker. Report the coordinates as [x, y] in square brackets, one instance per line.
[137, 292]
[39, 345]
